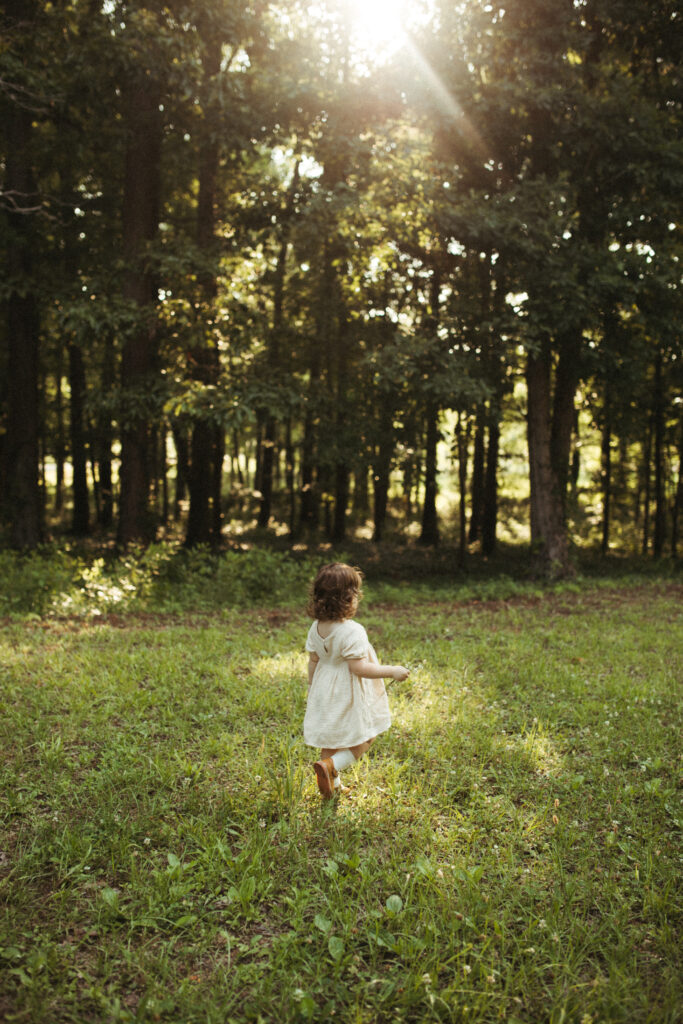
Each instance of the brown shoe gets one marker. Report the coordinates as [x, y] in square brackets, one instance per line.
[325, 773]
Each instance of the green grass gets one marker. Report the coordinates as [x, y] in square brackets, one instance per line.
[510, 851]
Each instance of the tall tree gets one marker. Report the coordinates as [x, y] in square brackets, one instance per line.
[140, 221]
[22, 204]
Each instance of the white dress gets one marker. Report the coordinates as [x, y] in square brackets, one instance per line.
[343, 710]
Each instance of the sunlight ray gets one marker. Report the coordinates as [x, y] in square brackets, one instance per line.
[448, 102]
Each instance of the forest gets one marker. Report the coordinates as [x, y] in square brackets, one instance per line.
[330, 269]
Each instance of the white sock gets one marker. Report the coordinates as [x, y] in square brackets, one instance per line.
[343, 759]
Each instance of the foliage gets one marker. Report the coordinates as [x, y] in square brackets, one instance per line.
[359, 246]
[158, 578]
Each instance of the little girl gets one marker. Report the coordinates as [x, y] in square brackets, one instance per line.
[347, 701]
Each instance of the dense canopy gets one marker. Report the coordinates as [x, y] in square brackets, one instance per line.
[306, 262]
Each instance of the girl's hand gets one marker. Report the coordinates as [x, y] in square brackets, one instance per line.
[400, 672]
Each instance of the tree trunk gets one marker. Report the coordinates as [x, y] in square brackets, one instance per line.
[429, 534]
[163, 460]
[658, 414]
[477, 486]
[341, 501]
[678, 500]
[80, 523]
[266, 481]
[647, 480]
[548, 534]
[104, 441]
[96, 488]
[606, 470]
[206, 461]
[22, 498]
[361, 492]
[289, 476]
[265, 507]
[563, 413]
[182, 466]
[489, 520]
[235, 464]
[408, 474]
[217, 482]
[308, 514]
[140, 224]
[60, 444]
[342, 469]
[463, 442]
[382, 468]
[207, 443]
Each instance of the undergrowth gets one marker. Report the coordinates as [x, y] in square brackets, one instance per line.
[165, 578]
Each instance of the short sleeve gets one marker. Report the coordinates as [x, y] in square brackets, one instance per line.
[310, 645]
[354, 644]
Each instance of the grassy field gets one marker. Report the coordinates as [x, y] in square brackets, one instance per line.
[510, 850]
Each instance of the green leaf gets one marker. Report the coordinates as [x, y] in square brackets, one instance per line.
[394, 904]
[322, 923]
[185, 920]
[110, 897]
[336, 947]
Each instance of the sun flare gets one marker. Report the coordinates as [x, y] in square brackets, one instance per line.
[379, 24]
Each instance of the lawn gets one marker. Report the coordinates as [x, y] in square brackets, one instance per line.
[510, 850]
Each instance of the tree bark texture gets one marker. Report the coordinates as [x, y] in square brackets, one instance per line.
[59, 443]
[382, 467]
[678, 499]
[80, 522]
[606, 470]
[658, 415]
[274, 339]
[548, 534]
[23, 504]
[104, 439]
[140, 224]
[207, 441]
[182, 472]
[463, 443]
[489, 518]
[477, 483]
[429, 534]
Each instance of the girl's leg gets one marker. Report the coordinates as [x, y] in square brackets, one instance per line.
[362, 748]
[332, 761]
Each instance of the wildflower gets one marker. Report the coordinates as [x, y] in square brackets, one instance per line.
[147, 840]
[491, 980]
[542, 924]
[557, 802]
[556, 820]
[530, 949]
[556, 937]
[466, 968]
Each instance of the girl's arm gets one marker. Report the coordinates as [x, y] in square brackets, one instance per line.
[313, 660]
[371, 670]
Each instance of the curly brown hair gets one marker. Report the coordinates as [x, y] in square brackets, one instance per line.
[335, 593]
